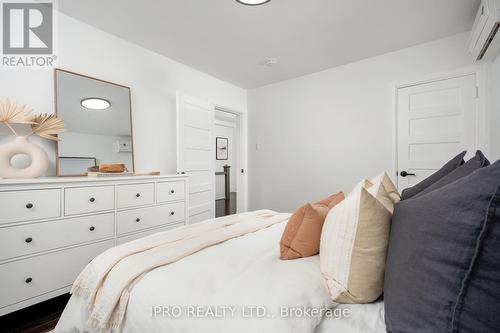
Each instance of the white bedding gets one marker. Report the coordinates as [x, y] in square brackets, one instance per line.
[233, 276]
[364, 318]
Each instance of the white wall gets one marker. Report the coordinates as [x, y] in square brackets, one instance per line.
[324, 132]
[153, 80]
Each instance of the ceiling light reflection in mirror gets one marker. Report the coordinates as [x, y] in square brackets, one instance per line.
[95, 103]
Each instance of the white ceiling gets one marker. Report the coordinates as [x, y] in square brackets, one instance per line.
[230, 41]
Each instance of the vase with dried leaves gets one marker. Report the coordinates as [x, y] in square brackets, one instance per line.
[44, 125]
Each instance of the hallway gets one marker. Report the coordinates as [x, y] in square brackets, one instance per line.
[225, 207]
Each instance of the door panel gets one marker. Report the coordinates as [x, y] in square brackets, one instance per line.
[423, 152]
[436, 121]
[197, 138]
[195, 155]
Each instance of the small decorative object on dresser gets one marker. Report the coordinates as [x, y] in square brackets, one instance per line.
[50, 225]
[221, 148]
[45, 126]
[113, 168]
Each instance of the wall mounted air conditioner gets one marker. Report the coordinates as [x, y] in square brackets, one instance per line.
[483, 43]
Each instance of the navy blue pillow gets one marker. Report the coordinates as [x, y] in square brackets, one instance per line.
[477, 162]
[443, 264]
[477, 309]
[451, 165]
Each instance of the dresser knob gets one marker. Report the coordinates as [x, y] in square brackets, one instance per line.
[172, 191]
[29, 205]
[28, 280]
[137, 220]
[92, 228]
[138, 195]
[172, 213]
[92, 199]
[28, 240]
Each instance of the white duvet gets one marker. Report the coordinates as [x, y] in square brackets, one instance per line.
[237, 286]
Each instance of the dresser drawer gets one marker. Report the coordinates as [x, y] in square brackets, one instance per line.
[170, 191]
[135, 195]
[32, 238]
[31, 277]
[129, 238]
[143, 218]
[80, 200]
[17, 206]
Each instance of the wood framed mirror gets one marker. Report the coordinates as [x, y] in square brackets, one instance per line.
[98, 118]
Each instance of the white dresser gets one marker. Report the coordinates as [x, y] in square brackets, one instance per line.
[51, 228]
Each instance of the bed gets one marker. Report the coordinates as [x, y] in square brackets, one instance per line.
[238, 285]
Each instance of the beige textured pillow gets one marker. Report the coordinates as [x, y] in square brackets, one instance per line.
[389, 186]
[353, 247]
[384, 190]
[303, 231]
[365, 183]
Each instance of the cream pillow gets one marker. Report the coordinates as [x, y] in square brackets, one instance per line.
[353, 247]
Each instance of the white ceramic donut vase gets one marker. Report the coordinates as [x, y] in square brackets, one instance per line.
[21, 145]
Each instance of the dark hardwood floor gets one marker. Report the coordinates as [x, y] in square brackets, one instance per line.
[39, 318]
[225, 207]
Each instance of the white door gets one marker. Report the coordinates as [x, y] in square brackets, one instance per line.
[195, 154]
[436, 121]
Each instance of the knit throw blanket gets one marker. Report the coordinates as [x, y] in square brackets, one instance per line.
[107, 281]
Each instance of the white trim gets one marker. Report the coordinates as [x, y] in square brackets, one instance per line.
[485, 107]
[225, 123]
[241, 156]
[394, 171]
[439, 77]
[482, 117]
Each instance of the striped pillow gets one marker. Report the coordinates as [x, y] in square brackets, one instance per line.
[353, 247]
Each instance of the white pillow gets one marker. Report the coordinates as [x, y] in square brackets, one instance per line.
[353, 247]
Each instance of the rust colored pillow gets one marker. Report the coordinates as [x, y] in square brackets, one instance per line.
[303, 231]
[332, 199]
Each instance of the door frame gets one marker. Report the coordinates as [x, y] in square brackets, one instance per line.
[482, 117]
[241, 157]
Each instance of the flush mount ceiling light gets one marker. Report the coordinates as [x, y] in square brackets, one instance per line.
[95, 103]
[252, 2]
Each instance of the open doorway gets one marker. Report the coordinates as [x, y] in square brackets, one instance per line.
[196, 121]
[227, 157]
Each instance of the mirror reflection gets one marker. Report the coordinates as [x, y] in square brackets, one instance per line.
[97, 117]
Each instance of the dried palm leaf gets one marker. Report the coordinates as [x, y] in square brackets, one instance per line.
[11, 113]
[47, 126]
